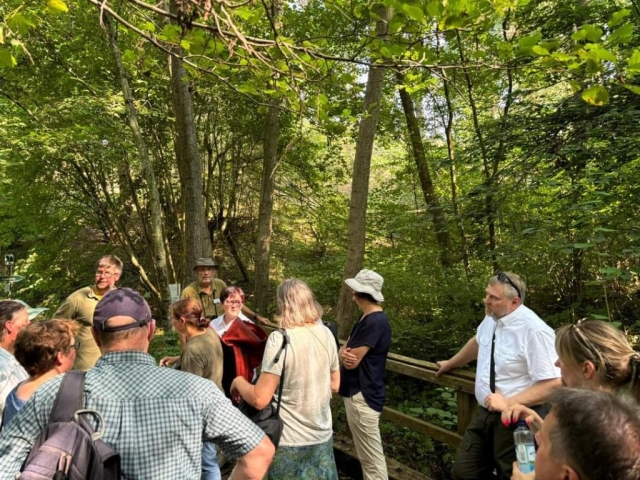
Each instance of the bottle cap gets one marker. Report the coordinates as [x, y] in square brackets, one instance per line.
[522, 423]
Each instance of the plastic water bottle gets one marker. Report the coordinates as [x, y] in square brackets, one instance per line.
[525, 447]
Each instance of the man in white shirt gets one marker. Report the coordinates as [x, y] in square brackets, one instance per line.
[522, 370]
[13, 318]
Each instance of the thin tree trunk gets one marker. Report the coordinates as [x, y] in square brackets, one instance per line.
[197, 242]
[360, 183]
[267, 186]
[489, 199]
[430, 198]
[265, 215]
[156, 234]
[448, 127]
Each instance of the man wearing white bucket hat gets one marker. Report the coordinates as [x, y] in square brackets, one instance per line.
[364, 358]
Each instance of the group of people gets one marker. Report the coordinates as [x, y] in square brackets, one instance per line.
[578, 388]
[170, 422]
[585, 378]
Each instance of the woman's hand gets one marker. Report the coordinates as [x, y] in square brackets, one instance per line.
[169, 361]
[518, 475]
[519, 412]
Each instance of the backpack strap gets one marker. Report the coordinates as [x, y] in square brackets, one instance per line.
[285, 341]
[69, 398]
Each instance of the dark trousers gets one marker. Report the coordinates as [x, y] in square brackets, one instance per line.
[486, 445]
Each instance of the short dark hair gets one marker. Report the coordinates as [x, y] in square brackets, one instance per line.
[597, 433]
[38, 344]
[8, 308]
[231, 290]
[366, 296]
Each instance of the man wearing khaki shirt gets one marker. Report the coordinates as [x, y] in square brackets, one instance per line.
[79, 306]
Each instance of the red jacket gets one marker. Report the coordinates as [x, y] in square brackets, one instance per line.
[248, 342]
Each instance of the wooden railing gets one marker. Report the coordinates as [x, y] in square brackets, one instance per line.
[463, 382]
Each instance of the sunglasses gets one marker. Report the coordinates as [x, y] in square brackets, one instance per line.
[504, 278]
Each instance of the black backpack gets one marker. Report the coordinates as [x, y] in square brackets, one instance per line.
[68, 448]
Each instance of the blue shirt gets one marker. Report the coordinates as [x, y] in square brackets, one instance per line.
[373, 331]
[156, 418]
[12, 405]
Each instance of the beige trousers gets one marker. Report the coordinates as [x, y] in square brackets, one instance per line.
[364, 425]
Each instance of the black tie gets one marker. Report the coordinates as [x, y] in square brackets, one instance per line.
[492, 373]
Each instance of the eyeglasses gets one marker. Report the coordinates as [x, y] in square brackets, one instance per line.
[504, 278]
[104, 274]
[233, 302]
[76, 346]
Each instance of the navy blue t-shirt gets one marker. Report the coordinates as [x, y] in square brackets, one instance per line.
[373, 331]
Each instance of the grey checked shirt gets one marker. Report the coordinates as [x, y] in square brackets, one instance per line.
[156, 418]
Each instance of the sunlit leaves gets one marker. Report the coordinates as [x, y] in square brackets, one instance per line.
[6, 58]
[57, 6]
[621, 34]
[596, 95]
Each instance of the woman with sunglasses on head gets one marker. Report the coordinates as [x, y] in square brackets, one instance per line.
[202, 356]
[44, 349]
[593, 355]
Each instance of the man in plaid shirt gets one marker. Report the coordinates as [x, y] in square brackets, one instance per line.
[156, 418]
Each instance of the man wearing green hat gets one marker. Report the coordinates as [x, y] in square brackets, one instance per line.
[207, 288]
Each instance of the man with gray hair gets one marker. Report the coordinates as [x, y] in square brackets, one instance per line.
[589, 435]
[156, 418]
[516, 364]
[79, 306]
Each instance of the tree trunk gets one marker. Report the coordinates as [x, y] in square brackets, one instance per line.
[156, 234]
[270, 164]
[489, 199]
[360, 183]
[430, 198]
[196, 236]
[448, 127]
[265, 215]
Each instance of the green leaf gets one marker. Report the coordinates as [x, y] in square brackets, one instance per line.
[129, 56]
[185, 44]
[6, 59]
[20, 22]
[596, 95]
[562, 57]
[618, 17]
[530, 40]
[413, 11]
[621, 34]
[538, 50]
[57, 6]
[435, 9]
[244, 12]
[634, 61]
[262, 110]
[591, 33]
[633, 88]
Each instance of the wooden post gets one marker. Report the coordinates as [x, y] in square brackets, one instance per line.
[466, 408]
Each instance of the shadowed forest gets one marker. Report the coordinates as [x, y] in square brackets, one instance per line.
[432, 141]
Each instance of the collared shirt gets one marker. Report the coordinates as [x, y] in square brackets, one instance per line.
[11, 374]
[156, 418]
[79, 306]
[221, 328]
[210, 302]
[524, 354]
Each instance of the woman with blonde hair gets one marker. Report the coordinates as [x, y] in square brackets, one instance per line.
[593, 355]
[309, 366]
[44, 349]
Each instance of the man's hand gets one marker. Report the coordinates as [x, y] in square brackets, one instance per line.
[445, 366]
[263, 320]
[168, 361]
[518, 475]
[347, 358]
[496, 403]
